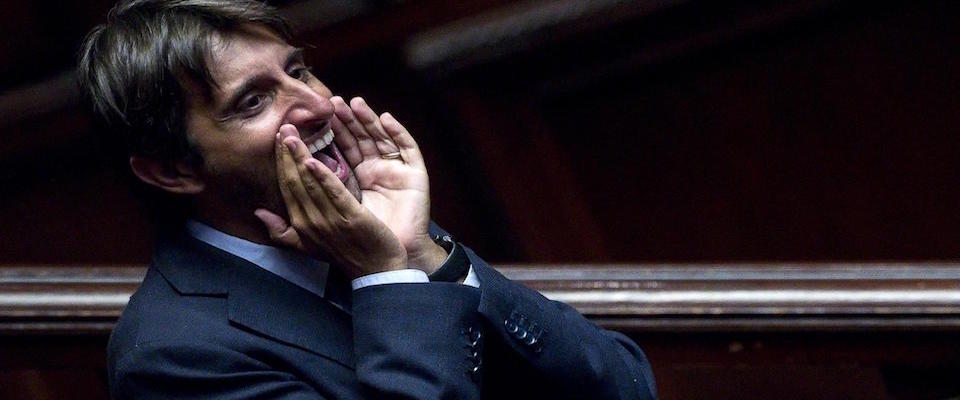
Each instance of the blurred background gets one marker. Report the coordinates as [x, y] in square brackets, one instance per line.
[780, 135]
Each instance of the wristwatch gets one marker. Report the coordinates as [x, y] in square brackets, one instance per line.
[457, 264]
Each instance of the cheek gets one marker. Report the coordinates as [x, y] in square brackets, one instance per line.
[254, 138]
[241, 153]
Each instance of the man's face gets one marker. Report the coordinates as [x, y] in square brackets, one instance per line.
[262, 84]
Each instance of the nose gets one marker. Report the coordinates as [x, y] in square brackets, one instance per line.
[304, 107]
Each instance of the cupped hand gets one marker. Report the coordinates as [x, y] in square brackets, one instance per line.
[325, 219]
[394, 188]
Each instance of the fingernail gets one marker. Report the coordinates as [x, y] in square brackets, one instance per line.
[291, 145]
[290, 128]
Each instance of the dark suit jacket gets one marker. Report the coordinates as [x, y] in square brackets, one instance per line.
[207, 324]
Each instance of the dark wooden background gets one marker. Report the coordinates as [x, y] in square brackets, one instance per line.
[678, 131]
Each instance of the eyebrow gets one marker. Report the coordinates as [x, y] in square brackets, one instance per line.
[295, 56]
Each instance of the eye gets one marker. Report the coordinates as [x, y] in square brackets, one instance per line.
[252, 103]
[301, 73]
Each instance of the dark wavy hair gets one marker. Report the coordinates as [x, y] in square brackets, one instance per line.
[132, 68]
[133, 71]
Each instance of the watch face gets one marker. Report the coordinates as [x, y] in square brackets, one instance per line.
[444, 241]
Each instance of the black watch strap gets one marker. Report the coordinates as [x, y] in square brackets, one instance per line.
[457, 264]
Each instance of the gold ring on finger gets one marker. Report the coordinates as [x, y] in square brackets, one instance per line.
[391, 156]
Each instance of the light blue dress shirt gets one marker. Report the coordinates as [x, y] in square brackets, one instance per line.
[298, 268]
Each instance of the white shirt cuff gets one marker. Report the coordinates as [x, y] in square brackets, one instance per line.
[387, 277]
[472, 279]
[406, 276]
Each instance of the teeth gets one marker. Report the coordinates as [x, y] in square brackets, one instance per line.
[328, 137]
[321, 142]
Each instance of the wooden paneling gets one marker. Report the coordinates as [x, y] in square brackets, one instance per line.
[723, 331]
[630, 298]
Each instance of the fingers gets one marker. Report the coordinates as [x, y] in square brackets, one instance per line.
[408, 147]
[278, 229]
[328, 185]
[326, 219]
[365, 144]
[363, 135]
[371, 123]
[322, 197]
[346, 142]
[284, 180]
[292, 171]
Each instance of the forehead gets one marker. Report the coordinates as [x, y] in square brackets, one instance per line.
[250, 50]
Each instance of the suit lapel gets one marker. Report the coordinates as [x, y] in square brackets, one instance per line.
[257, 299]
[268, 304]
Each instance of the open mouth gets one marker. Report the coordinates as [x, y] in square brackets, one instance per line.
[321, 146]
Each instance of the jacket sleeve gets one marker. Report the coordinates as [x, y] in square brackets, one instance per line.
[573, 354]
[177, 370]
[415, 341]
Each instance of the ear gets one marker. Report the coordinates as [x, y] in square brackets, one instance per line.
[172, 176]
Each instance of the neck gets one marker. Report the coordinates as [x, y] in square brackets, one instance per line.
[247, 227]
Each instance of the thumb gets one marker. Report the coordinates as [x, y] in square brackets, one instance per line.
[278, 229]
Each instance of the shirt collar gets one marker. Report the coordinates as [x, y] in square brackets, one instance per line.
[299, 269]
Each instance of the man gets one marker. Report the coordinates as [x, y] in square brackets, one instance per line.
[307, 267]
